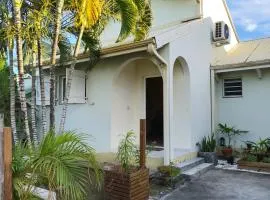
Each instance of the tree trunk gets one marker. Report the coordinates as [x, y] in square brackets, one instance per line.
[17, 22]
[69, 81]
[42, 91]
[33, 101]
[12, 94]
[57, 29]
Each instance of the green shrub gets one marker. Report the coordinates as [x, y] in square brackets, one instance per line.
[251, 158]
[127, 153]
[208, 143]
[170, 171]
[266, 160]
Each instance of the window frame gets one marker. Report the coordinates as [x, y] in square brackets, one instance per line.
[62, 88]
[223, 87]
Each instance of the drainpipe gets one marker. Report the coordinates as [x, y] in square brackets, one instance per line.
[163, 63]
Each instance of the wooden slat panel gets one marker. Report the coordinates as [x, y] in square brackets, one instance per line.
[7, 164]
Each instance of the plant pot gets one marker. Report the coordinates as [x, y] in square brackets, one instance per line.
[209, 157]
[127, 186]
[227, 152]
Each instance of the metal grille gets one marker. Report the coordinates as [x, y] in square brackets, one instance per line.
[218, 30]
[232, 87]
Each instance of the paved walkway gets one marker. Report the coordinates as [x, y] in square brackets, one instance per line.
[219, 184]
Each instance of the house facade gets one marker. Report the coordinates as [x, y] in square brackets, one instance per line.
[173, 79]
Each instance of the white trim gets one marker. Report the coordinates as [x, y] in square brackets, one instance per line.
[241, 68]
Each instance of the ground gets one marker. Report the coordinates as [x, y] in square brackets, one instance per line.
[219, 184]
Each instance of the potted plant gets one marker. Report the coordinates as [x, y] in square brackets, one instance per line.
[229, 132]
[207, 149]
[127, 180]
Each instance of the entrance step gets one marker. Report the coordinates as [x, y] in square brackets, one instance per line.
[198, 170]
[189, 164]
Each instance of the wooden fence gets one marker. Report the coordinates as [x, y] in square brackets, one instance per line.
[5, 163]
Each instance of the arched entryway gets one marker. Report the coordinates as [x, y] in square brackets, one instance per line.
[137, 94]
[181, 133]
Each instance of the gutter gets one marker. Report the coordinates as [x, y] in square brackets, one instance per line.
[151, 49]
[114, 51]
[242, 66]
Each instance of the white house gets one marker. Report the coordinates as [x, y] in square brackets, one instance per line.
[173, 79]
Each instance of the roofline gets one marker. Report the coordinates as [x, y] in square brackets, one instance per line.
[114, 51]
[230, 18]
[242, 66]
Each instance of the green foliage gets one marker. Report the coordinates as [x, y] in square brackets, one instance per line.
[127, 153]
[251, 158]
[259, 147]
[229, 131]
[64, 163]
[208, 143]
[4, 94]
[266, 160]
[170, 171]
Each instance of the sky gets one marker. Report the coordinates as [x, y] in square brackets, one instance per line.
[251, 18]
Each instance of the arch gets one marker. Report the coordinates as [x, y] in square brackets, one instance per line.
[131, 60]
[181, 125]
[128, 96]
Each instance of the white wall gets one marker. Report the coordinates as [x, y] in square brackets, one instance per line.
[216, 10]
[164, 12]
[195, 48]
[250, 112]
[181, 107]
[94, 117]
[128, 101]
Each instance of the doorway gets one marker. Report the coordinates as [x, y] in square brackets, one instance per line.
[154, 111]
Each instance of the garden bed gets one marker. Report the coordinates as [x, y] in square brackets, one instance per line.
[257, 166]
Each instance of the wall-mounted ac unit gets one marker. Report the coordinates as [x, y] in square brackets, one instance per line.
[221, 34]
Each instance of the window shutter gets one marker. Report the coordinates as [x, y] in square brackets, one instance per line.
[77, 90]
[47, 90]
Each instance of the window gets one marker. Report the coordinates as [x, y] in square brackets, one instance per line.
[232, 87]
[62, 89]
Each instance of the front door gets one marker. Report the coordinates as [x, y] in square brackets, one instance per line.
[154, 111]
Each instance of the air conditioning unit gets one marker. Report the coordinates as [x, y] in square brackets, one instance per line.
[221, 34]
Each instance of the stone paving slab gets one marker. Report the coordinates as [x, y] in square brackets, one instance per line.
[219, 184]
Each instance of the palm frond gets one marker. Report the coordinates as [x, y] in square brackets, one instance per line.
[65, 47]
[129, 15]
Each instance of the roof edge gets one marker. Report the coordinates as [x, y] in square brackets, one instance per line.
[114, 51]
[253, 64]
[231, 20]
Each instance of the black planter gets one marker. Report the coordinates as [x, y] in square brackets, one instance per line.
[209, 157]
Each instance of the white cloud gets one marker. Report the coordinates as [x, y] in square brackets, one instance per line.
[251, 15]
[251, 27]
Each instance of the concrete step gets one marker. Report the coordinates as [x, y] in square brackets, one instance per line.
[189, 164]
[198, 170]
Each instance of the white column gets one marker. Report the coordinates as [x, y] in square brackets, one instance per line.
[168, 114]
[166, 135]
[213, 100]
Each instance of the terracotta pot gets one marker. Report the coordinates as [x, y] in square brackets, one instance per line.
[227, 152]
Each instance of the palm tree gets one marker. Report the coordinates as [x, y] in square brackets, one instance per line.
[36, 22]
[135, 17]
[33, 101]
[64, 163]
[57, 29]
[12, 93]
[6, 35]
[17, 22]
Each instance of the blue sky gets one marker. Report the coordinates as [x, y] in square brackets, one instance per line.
[251, 18]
